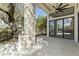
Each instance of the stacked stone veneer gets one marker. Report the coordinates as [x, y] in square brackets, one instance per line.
[27, 39]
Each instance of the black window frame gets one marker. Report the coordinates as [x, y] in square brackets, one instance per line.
[63, 28]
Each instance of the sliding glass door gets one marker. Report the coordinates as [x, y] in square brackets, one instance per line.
[68, 28]
[63, 28]
[52, 28]
[59, 28]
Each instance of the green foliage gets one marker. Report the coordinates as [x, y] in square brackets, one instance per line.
[41, 23]
[12, 16]
[5, 34]
[20, 22]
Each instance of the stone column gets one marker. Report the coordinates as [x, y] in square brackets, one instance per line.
[27, 39]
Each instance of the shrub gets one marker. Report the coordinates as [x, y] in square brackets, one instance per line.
[5, 34]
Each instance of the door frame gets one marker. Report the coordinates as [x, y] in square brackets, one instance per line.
[63, 27]
[54, 28]
[78, 27]
[73, 28]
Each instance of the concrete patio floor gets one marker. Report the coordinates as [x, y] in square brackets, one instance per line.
[57, 47]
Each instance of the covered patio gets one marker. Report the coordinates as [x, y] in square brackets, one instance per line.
[60, 45]
[61, 16]
[57, 47]
[62, 32]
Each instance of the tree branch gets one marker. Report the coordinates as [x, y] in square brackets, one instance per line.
[10, 20]
[4, 11]
[11, 10]
[5, 21]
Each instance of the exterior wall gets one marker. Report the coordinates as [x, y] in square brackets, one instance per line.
[28, 38]
[76, 24]
[48, 26]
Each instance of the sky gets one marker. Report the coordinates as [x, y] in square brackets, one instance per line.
[68, 21]
[40, 12]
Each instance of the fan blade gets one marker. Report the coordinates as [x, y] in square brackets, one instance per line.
[53, 6]
[64, 8]
[60, 5]
[64, 5]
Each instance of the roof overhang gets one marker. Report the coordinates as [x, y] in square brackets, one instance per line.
[47, 7]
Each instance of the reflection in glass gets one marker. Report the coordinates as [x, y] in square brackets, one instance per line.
[68, 27]
[51, 26]
[59, 27]
[62, 28]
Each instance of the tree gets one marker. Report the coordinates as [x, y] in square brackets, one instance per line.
[10, 21]
[41, 24]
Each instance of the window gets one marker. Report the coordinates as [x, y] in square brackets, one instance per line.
[52, 28]
[68, 27]
[59, 28]
[62, 28]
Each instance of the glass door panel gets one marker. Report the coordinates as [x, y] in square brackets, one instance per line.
[68, 28]
[52, 28]
[59, 28]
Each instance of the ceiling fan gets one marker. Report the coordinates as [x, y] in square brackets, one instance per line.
[60, 8]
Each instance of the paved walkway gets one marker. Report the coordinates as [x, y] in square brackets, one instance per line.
[44, 47]
[57, 47]
[10, 48]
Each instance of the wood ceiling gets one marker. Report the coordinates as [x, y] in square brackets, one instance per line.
[49, 7]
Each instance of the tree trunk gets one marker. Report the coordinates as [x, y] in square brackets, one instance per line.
[11, 20]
